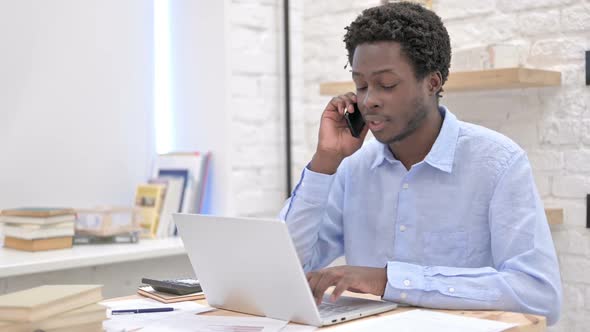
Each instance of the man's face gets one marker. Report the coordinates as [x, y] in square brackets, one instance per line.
[390, 98]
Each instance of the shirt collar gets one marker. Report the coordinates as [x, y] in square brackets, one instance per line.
[442, 153]
[383, 154]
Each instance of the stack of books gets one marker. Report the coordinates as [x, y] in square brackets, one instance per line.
[55, 308]
[36, 229]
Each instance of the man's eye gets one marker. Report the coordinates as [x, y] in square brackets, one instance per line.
[361, 88]
[389, 87]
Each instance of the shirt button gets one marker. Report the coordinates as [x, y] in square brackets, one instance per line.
[402, 228]
[407, 283]
[403, 296]
[451, 290]
[406, 186]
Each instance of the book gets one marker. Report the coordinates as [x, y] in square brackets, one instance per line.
[197, 165]
[38, 244]
[42, 302]
[148, 291]
[92, 313]
[131, 237]
[181, 175]
[172, 200]
[149, 223]
[38, 212]
[35, 231]
[149, 199]
[38, 220]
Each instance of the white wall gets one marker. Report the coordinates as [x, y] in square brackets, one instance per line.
[199, 85]
[228, 97]
[76, 118]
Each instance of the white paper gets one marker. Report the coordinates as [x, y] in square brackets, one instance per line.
[298, 328]
[130, 322]
[149, 303]
[425, 321]
[197, 323]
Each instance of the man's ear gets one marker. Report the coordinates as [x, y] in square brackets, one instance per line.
[434, 82]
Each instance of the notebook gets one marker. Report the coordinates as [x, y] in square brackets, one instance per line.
[148, 291]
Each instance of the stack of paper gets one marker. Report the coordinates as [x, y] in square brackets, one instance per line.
[424, 321]
[136, 321]
[217, 324]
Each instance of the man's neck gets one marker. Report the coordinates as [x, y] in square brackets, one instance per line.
[414, 148]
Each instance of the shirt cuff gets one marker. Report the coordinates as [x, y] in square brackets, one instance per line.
[314, 187]
[405, 283]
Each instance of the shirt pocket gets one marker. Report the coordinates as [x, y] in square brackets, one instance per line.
[444, 248]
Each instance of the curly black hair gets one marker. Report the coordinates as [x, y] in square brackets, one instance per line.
[421, 33]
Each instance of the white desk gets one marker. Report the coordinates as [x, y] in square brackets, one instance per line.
[119, 267]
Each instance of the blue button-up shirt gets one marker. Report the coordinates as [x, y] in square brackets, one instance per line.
[462, 229]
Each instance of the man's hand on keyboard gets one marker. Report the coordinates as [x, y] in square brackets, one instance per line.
[357, 279]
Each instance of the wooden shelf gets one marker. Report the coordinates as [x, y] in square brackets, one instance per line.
[554, 216]
[509, 78]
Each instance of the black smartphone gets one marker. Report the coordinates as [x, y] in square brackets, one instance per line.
[355, 121]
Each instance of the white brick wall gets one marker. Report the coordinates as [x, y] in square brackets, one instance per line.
[257, 103]
[255, 106]
[551, 124]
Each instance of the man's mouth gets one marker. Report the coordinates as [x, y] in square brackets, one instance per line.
[375, 122]
[376, 125]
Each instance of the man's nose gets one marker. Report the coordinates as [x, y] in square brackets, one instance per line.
[370, 101]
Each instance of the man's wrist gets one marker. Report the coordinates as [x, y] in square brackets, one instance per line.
[384, 282]
[324, 163]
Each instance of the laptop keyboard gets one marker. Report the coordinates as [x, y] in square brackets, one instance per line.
[328, 309]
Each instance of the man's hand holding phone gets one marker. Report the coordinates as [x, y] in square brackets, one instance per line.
[335, 141]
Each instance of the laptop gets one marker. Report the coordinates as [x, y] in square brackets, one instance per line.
[250, 265]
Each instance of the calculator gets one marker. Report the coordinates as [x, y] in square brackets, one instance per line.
[181, 286]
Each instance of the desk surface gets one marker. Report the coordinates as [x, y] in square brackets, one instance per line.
[16, 262]
[525, 322]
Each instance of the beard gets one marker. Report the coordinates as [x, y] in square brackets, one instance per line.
[413, 123]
